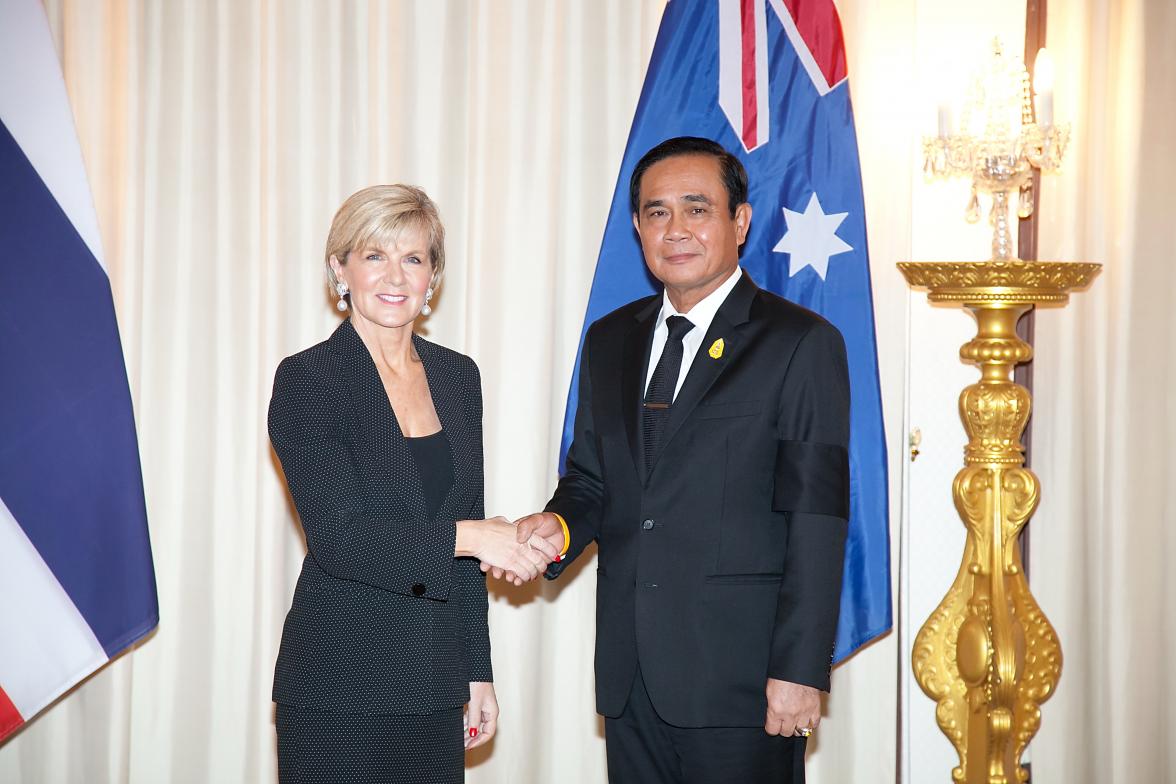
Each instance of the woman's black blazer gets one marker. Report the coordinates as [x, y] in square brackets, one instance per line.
[384, 618]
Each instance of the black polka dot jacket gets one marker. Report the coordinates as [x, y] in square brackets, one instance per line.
[384, 618]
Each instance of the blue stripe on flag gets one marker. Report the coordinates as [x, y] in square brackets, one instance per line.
[812, 148]
[69, 460]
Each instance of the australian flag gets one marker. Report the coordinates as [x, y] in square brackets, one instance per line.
[767, 80]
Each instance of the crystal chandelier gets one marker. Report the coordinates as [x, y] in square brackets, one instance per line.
[1002, 137]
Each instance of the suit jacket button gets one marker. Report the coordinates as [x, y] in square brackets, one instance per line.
[648, 525]
[418, 590]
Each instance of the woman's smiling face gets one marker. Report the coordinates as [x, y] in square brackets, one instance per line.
[388, 284]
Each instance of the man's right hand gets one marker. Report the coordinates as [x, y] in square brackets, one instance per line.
[542, 530]
[543, 524]
[493, 542]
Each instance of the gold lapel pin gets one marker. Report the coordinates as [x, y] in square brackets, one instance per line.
[716, 349]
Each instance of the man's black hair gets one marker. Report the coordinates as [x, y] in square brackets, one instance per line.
[731, 171]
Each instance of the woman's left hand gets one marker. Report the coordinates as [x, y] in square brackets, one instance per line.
[481, 714]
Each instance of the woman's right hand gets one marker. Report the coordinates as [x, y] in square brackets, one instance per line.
[494, 542]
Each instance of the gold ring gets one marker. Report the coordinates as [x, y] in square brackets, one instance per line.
[804, 731]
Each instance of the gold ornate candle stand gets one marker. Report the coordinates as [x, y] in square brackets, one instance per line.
[987, 655]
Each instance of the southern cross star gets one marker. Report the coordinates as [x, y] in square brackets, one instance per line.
[811, 238]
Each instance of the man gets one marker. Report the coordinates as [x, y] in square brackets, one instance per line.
[709, 462]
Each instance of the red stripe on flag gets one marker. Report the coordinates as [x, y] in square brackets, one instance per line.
[10, 718]
[747, 22]
[819, 26]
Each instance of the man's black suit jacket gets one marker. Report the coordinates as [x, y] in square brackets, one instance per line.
[723, 566]
[384, 618]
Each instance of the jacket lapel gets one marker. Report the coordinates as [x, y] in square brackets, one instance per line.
[705, 369]
[373, 424]
[634, 366]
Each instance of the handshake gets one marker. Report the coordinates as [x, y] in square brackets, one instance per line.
[517, 552]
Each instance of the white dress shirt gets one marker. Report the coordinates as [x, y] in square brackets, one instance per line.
[701, 316]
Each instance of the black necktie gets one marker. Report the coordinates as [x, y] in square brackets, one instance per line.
[660, 394]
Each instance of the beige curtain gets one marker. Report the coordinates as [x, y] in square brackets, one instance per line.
[219, 137]
[1104, 539]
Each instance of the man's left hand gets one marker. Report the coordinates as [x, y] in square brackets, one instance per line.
[791, 706]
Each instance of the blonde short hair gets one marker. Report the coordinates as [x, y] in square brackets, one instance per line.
[377, 216]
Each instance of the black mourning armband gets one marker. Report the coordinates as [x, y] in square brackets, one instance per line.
[812, 478]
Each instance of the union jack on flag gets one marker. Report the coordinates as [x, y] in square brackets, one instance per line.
[767, 79]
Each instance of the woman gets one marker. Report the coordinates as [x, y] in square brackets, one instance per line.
[380, 436]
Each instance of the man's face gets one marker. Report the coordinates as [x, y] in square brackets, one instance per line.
[690, 240]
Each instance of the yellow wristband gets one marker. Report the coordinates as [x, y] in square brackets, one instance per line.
[566, 532]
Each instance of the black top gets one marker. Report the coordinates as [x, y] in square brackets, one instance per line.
[435, 465]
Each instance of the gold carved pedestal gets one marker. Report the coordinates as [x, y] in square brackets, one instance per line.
[987, 655]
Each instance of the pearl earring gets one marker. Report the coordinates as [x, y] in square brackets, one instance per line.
[341, 290]
[426, 309]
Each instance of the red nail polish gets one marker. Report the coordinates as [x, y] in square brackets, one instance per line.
[558, 558]
[473, 732]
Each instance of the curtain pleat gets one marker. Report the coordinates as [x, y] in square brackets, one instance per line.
[1104, 418]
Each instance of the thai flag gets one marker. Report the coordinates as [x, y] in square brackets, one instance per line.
[76, 580]
[767, 80]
